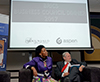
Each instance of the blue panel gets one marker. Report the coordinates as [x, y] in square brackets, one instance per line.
[4, 29]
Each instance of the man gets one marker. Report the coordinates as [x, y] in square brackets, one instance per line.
[62, 69]
[1, 55]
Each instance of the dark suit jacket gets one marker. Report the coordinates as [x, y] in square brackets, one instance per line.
[60, 65]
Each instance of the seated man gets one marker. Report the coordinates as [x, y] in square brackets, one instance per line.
[62, 70]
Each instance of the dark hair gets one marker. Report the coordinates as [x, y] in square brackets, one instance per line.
[38, 50]
[1, 46]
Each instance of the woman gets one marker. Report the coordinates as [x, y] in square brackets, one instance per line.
[41, 65]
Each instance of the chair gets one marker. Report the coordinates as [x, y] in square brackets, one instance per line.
[92, 74]
[4, 76]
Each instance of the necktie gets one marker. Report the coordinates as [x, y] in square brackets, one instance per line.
[64, 67]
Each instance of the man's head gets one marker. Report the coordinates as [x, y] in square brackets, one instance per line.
[66, 56]
[0, 48]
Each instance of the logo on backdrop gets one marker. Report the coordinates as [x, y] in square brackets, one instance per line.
[67, 41]
[30, 40]
[59, 40]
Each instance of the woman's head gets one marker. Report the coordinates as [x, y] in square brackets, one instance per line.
[41, 51]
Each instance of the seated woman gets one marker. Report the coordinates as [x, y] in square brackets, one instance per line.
[41, 65]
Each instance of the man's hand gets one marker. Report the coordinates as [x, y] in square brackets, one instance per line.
[65, 74]
[34, 71]
[81, 68]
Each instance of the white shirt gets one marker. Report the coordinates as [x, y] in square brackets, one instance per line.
[1, 57]
[66, 70]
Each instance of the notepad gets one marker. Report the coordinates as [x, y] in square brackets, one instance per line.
[74, 65]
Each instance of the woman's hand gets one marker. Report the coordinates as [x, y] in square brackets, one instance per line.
[34, 71]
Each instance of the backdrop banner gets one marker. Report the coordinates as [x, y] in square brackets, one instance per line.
[3, 41]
